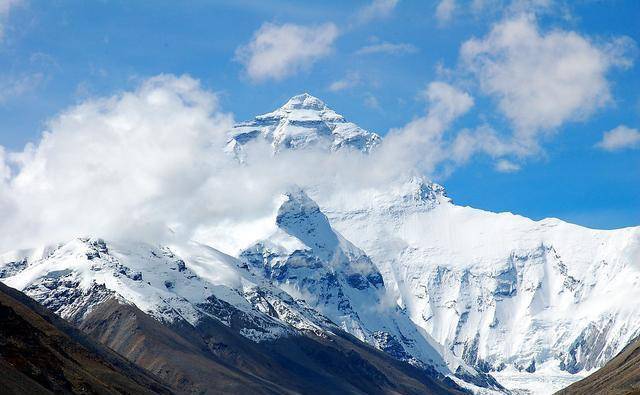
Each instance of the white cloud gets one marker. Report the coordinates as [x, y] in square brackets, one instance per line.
[622, 137]
[446, 102]
[131, 163]
[430, 144]
[542, 79]
[387, 48]
[445, 10]
[376, 9]
[482, 139]
[422, 142]
[506, 166]
[278, 51]
[139, 163]
[349, 81]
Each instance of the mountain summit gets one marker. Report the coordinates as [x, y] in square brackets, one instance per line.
[304, 121]
[304, 102]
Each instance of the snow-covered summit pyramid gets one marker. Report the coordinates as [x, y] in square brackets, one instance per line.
[303, 121]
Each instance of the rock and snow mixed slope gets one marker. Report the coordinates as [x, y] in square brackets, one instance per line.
[221, 331]
[71, 278]
[305, 257]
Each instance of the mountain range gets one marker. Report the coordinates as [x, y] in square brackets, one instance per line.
[387, 289]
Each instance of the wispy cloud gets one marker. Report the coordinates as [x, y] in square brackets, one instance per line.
[278, 51]
[387, 48]
[370, 101]
[11, 87]
[375, 10]
[445, 10]
[349, 81]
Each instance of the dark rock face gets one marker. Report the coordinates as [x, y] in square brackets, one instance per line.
[587, 348]
[40, 353]
[389, 344]
[485, 380]
[60, 292]
[12, 268]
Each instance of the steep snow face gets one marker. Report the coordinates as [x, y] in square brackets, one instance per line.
[177, 283]
[304, 121]
[307, 258]
[499, 290]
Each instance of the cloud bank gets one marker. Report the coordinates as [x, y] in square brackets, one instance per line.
[149, 164]
[540, 80]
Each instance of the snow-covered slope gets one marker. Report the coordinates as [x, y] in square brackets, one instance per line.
[303, 121]
[203, 323]
[531, 299]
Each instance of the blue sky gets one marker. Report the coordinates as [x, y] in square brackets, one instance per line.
[54, 54]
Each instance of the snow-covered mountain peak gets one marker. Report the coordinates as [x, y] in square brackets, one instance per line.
[421, 190]
[304, 101]
[302, 108]
[303, 121]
